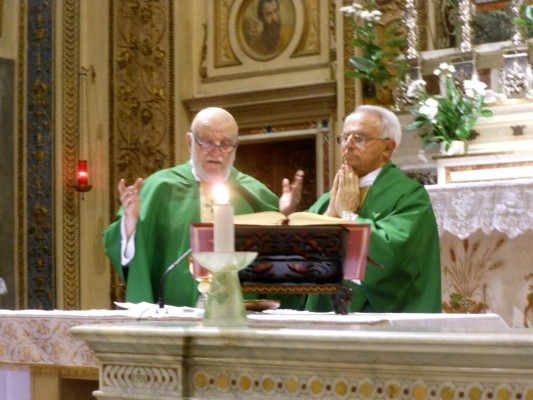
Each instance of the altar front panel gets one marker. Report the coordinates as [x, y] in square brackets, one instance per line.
[486, 241]
[153, 361]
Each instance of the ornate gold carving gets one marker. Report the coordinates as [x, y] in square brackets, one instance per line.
[1, 15]
[349, 86]
[333, 38]
[224, 55]
[70, 146]
[326, 150]
[21, 193]
[142, 111]
[310, 41]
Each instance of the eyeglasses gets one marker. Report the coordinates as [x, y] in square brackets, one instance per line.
[208, 146]
[356, 140]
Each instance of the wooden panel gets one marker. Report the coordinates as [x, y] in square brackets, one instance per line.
[272, 161]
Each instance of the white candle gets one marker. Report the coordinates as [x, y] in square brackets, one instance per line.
[224, 230]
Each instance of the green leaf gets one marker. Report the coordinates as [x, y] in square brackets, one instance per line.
[355, 74]
[358, 43]
[362, 64]
[415, 124]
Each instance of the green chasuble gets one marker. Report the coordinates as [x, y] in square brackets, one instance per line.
[170, 202]
[404, 239]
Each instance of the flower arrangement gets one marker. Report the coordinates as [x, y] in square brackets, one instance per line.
[375, 63]
[450, 116]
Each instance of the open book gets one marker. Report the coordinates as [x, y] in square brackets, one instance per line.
[297, 218]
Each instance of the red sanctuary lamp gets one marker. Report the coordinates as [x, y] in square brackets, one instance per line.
[81, 183]
[82, 177]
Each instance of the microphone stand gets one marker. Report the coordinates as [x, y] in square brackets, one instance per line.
[160, 301]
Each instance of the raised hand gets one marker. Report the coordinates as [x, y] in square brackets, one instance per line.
[129, 199]
[291, 193]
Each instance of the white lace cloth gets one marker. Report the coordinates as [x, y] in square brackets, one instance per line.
[503, 206]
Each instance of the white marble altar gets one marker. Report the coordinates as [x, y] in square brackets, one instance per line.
[42, 360]
[154, 360]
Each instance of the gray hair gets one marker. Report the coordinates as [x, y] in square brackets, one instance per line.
[390, 124]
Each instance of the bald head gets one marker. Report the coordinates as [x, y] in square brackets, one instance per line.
[212, 130]
[214, 119]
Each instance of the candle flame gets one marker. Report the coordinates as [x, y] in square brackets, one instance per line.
[220, 193]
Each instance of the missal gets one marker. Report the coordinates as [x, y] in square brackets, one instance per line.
[297, 218]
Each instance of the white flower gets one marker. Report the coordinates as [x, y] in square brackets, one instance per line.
[351, 9]
[474, 87]
[444, 68]
[347, 10]
[366, 15]
[490, 97]
[375, 15]
[416, 88]
[430, 108]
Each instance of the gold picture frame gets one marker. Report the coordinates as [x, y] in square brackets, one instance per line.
[265, 27]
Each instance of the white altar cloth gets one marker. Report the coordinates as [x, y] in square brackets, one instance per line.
[503, 206]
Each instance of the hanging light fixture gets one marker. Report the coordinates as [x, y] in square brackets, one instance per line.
[82, 166]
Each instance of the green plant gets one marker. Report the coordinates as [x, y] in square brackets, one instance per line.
[451, 116]
[524, 20]
[374, 63]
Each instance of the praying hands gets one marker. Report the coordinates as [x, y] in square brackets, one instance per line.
[344, 192]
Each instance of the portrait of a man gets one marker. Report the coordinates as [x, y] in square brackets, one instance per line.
[266, 27]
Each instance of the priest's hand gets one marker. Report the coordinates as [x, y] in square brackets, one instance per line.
[291, 193]
[344, 195]
[129, 198]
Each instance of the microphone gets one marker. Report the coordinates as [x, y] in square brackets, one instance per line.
[163, 278]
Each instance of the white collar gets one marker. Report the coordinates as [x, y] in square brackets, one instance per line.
[369, 179]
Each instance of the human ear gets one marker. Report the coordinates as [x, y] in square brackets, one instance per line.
[389, 148]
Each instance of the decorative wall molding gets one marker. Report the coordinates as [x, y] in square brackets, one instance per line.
[142, 93]
[268, 106]
[39, 156]
[232, 53]
[70, 135]
[142, 131]
[21, 151]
